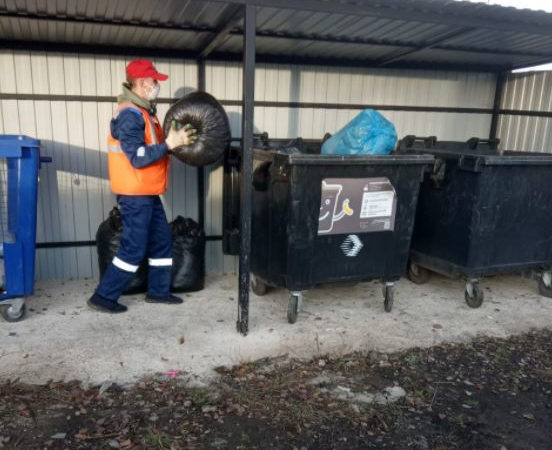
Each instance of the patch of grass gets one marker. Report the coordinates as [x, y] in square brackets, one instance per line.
[158, 440]
[460, 420]
[185, 430]
[502, 355]
[301, 412]
[243, 395]
[244, 441]
[200, 397]
[103, 446]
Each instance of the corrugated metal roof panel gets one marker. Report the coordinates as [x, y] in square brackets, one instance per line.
[99, 33]
[345, 26]
[491, 35]
[208, 14]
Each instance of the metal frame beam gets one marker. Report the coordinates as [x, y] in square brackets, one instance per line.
[235, 57]
[200, 171]
[43, 46]
[262, 58]
[499, 90]
[439, 40]
[345, 62]
[246, 167]
[224, 33]
[259, 104]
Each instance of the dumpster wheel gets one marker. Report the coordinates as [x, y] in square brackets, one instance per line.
[258, 286]
[388, 296]
[473, 294]
[417, 274]
[13, 312]
[295, 300]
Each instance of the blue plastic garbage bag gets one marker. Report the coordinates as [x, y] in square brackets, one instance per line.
[369, 133]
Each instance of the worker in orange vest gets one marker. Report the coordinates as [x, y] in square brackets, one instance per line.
[138, 159]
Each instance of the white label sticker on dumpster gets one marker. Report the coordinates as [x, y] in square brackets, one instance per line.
[356, 205]
[377, 204]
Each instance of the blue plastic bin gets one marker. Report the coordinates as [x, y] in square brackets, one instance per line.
[19, 164]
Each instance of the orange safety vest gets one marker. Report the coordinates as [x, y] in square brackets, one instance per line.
[128, 180]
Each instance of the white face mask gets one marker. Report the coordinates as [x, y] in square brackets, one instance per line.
[152, 92]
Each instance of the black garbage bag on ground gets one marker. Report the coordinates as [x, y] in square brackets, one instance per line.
[208, 117]
[188, 272]
[108, 238]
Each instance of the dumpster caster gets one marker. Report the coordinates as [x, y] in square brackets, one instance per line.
[545, 285]
[388, 296]
[14, 311]
[258, 286]
[417, 274]
[473, 294]
[295, 300]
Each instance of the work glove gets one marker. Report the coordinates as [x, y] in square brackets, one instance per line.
[187, 135]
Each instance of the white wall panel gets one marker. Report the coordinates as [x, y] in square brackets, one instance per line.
[357, 87]
[530, 91]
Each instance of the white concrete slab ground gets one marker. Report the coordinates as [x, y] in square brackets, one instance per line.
[62, 339]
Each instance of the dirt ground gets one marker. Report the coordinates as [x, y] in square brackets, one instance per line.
[490, 393]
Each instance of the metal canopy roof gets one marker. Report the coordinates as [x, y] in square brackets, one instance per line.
[376, 33]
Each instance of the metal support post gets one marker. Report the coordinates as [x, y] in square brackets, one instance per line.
[246, 167]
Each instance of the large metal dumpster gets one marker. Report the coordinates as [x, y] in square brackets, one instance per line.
[481, 211]
[329, 218]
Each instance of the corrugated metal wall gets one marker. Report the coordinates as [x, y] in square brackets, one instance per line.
[74, 190]
[530, 91]
[358, 86]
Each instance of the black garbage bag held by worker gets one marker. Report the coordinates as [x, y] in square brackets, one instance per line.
[138, 172]
[203, 112]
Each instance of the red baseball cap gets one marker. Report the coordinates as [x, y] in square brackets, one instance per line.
[144, 68]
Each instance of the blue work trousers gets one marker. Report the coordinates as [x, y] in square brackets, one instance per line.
[146, 233]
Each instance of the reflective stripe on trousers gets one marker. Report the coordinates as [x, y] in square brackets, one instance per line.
[160, 262]
[124, 265]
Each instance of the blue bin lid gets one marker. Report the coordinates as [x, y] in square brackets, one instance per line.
[11, 145]
[18, 140]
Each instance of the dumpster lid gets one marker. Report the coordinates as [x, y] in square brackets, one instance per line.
[485, 152]
[490, 157]
[318, 160]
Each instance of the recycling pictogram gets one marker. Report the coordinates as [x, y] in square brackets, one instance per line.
[352, 246]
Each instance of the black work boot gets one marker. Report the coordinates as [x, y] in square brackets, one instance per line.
[171, 299]
[102, 304]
